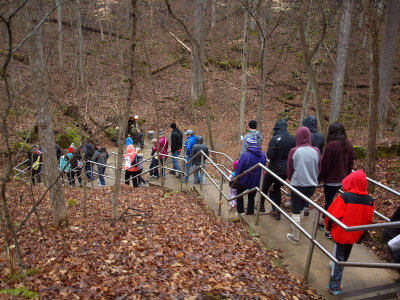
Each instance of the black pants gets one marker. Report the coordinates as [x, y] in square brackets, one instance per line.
[77, 174]
[275, 194]
[250, 203]
[128, 175]
[330, 192]
[297, 201]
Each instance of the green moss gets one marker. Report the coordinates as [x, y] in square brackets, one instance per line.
[236, 48]
[359, 152]
[18, 145]
[66, 139]
[23, 291]
[110, 132]
[186, 63]
[200, 102]
[72, 202]
[141, 121]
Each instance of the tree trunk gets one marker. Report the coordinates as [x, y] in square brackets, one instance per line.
[60, 35]
[341, 58]
[372, 23]
[213, 13]
[100, 24]
[252, 5]
[198, 53]
[307, 63]
[306, 102]
[244, 70]
[127, 108]
[263, 63]
[80, 43]
[44, 121]
[388, 50]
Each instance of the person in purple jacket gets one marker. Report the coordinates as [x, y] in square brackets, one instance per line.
[303, 167]
[251, 157]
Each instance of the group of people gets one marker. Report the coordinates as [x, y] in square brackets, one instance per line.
[305, 161]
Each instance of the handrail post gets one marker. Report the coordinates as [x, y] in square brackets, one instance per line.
[259, 196]
[311, 249]
[91, 173]
[220, 195]
[201, 172]
[182, 177]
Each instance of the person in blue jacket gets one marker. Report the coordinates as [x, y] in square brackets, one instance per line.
[251, 157]
[190, 142]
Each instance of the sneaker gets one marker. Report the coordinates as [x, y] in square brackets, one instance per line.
[328, 235]
[321, 227]
[262, 209]
[334, 292]
[277, 216]
[331, 265]
[292, 239]
[178, 176]
[172, 172]
[184, 181]
[288, 203]
[306, 211]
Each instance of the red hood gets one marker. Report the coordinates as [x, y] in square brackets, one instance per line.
[356, 183]
[130, 149]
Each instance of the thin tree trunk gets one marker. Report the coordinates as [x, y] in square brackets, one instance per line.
[306, 102]
[100, 24]
[127, 107]
[307, 63]
[263, 76]
[80, 44]
[373, 37]
[252, 5]
[244, 71]
[45, 124]
[60, 35]
[341, 58]
[213, 13]
[388, 50]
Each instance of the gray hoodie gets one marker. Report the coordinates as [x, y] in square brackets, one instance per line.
[254, 134]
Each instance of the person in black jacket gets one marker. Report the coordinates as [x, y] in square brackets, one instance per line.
[176, 148]
[317, 140]
[278, 150]
[197, 160]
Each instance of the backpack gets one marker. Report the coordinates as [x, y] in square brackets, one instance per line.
[36, 164]
[128, 164]
[102, 157]
[89, 154]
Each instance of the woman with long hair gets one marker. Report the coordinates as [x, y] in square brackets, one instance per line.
[337, 163]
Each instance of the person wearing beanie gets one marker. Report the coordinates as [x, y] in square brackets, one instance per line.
[251, 157]
[70, 150]
[278, 151]
[128, 141]
[176, 148]
[190, 142]
[303, 168]
[353, 208]
[254, 134]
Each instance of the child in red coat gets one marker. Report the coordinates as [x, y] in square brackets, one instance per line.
[354, 207]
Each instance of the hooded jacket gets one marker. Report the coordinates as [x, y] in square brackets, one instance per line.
[163, 146]
[317, 138]
[131, 153]
[176, 140]
[354, 207]
[279, 147]
[128, 141]
[304, 161]
[251, 157]
[253, 134]
[190, 142]
[197, 148]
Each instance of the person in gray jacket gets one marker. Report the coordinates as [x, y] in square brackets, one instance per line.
[100, 157]
[197, 160]
[253, 134]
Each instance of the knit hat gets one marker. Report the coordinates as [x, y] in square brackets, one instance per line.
[235, 163]
[253, 124]
[70, 150]
[173, 125]
[251, 143]
[189, 132]
[160, 132]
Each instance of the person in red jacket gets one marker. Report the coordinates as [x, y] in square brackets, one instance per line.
[353, 208]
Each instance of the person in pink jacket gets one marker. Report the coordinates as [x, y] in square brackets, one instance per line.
[131, 170]
[162, 147]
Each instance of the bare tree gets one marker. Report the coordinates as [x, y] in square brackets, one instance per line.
[372, 24]
[44, 121]
[341, 58]
[244, 69]
[80, 44]
[388, 50]
[127, 106]
[213, 13]
[60, 34]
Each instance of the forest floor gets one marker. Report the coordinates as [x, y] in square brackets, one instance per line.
[162, 246]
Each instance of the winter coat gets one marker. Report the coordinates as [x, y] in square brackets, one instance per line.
[197, 148]
[128, 141]
[317, 138]
[64, 163]
[250, 158]
[100, 157]
[353, 208]
[131, 153]
[163, 146]
[337, 161]
[253, 134]
[89, 151]
[176, 140]
[304, 161]
[279, 147]
[140, 160]
[190, 142]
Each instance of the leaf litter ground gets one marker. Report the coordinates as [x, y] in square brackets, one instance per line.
[164, 246]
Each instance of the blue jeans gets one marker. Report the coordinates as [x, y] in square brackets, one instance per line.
[101, 171]
[197, 174]
[154, 163]
[175, 162]
[88, 171]
[342, 253]
[187, 169]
